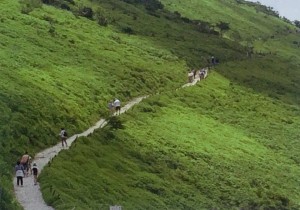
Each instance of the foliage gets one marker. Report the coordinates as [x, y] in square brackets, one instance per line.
[199, 148]
[29, 5]
[260, 7]
[59, 69]
[86, 12]
[101, 17]
[297, 23]
[115, 122]
[247, 19]
[223, 26]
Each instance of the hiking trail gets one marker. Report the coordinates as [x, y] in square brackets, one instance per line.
[30, 196]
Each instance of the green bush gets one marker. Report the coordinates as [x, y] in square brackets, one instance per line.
[28, 6]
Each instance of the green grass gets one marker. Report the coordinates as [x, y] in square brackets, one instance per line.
[245, 22]
[60, 70]
[199, 148]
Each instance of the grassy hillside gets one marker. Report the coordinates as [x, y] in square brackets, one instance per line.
[59, 68]
[248, 21]
[216, 145]
[226, 144]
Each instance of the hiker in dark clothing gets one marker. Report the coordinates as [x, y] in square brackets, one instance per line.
[194, 73]
[217, 61]
[35, 173]
[202, 74]
[63, 136]
[20, 173]
[111, 107]
[213, 61]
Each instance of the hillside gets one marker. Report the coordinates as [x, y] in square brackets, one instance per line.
[60, 67]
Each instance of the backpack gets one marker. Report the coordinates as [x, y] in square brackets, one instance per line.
[65, 134]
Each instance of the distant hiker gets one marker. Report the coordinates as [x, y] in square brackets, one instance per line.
[111, 107]
[20, 173]
[63, 136]
[117, 105]
[217, 61]
[213, 61]
[194, 73]
[202, 74]
[35, 172]
[25, 161]
[29, 166]
[191, 77]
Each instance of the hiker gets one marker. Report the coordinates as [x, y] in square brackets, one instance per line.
[111, 107]
[190, 77]
[35, 171]
[194, 73]
[25, 162]
[213, 61]
[63, 136]
[201, 74]
[29, 166]
[20, 173]
[117, 105]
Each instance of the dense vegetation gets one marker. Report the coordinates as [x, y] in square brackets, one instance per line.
[61, 61]
[198, 148]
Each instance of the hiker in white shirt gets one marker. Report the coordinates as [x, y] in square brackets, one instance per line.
[117, 105]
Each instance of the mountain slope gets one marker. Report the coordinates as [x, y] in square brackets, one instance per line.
[199, 148]
[59, 69]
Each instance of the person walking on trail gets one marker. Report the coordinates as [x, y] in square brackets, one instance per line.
[117, 105]
[63, 136]
[111, 107]
[25, 161]
[35, 172]
[191, 77]
[202, 74]
[213, 61]
[20, 173]
[194, 73]
[29, 170]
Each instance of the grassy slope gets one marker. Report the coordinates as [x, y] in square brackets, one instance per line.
[60, 70]
[239, 150]
[198, 148]
[245, 23]
[65, 78]
[269, 36]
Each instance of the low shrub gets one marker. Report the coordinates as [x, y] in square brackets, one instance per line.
[29, 5]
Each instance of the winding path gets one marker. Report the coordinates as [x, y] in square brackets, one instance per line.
[30, 196]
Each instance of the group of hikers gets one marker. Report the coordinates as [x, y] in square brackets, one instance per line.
[24, 168]
[202, 72]
[193, 73]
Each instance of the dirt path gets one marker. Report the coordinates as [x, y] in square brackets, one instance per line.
[30, 196]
